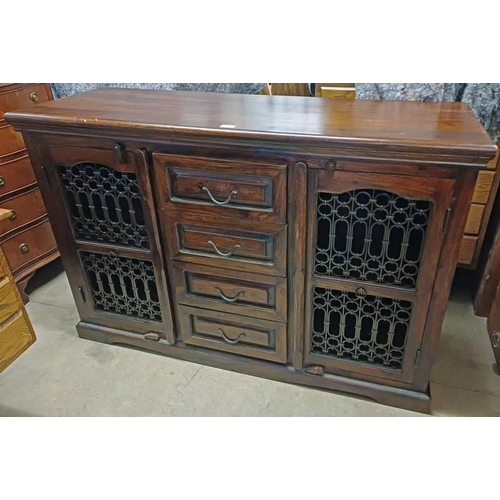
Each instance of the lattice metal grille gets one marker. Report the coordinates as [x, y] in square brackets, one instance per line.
[367, 329]
[105, 205]
[122, 286]
[371, 235]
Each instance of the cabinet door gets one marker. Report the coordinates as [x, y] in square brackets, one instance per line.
[100, 204]
[372, 256]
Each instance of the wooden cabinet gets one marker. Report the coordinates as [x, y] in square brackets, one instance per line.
[311, 244]
[26, 237]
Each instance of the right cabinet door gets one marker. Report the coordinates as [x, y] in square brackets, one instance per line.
[374, 246]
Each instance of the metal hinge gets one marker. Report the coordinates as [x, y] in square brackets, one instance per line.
[82, 293]
[315, 370]
[417, 359]
[447, 218]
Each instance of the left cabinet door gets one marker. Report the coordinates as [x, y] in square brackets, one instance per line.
[100, 205]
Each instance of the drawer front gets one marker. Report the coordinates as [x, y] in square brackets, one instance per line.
[10, 140]
[251, 337]
[229, 247]
[24, 97]
[16, 174]
[16, 335]
[223, 188]
[467, 249]
[247, 294]
[29, 245]
[26, 208]
[8, 301]
[483, 186]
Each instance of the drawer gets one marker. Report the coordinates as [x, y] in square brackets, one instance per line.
[229, 247]
[467, 249]
[29, 245]
[8, 301]
[483, 186]
[16, 174]
[473, 224]
[251, 337]
[222, 188]
[247, 294]
[23, 97]
[26, 208]
[10, 140]
[16, 335]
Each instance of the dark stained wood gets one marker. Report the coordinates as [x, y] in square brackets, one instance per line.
[243, 301]
[247, 294]
[242, 190]
[446, 127]
[444, 277]
[261, 250]
[297, 234]
[235, 334]
[439, 191]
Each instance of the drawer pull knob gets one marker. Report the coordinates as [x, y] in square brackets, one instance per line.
[34, 96]
[222, 254]
[228, 340]
[220, 203]
[24, 247]
[229, 299]
[2, 181]
[13, 214]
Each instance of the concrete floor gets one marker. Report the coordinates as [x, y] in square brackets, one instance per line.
[62, 375]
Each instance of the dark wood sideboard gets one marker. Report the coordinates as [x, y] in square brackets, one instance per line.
[311, 241]
[26, 237]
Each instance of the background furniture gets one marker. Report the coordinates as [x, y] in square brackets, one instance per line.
[26, 237]
[238, 232]
[16, 332]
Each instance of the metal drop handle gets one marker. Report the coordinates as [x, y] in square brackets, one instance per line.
[228, 340]
[222, 254]
[229, 299]
[220, 203]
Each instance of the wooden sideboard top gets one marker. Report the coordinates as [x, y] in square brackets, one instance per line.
[410, 126]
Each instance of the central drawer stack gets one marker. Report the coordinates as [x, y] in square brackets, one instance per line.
[226, 242]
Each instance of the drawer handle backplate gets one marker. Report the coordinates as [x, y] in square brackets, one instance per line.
[226, 298]
[220, 203]
[222, 254]
[228, 340]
